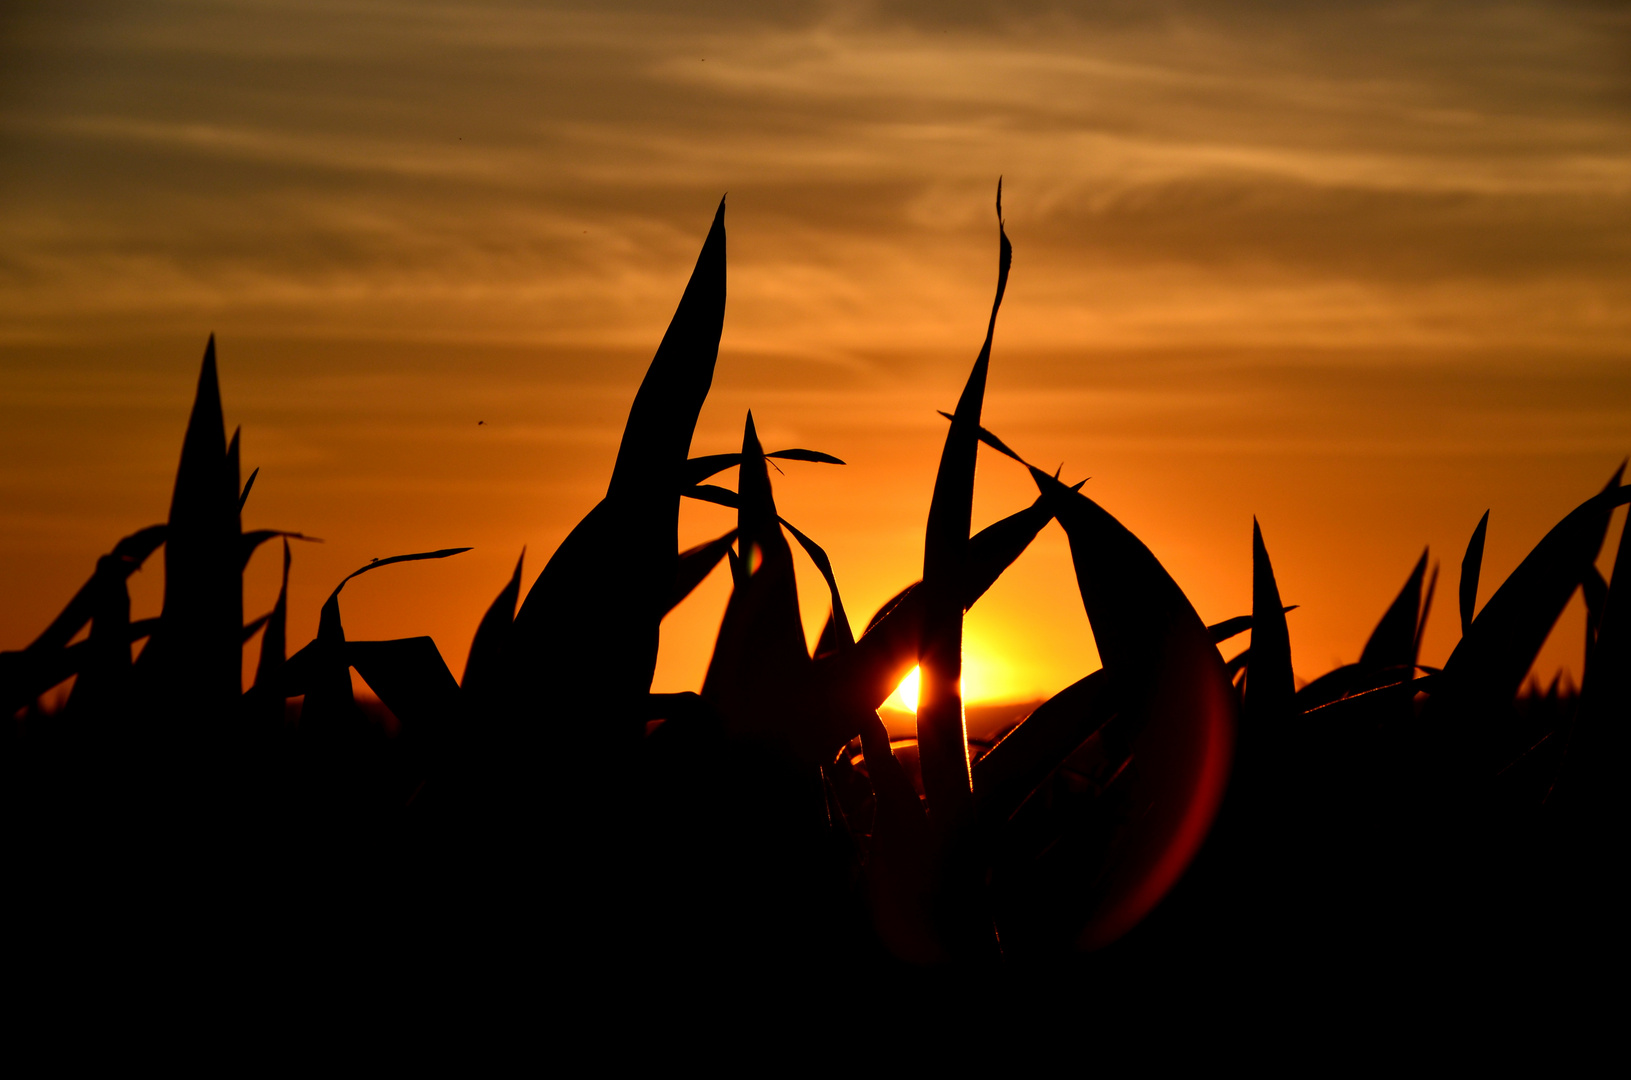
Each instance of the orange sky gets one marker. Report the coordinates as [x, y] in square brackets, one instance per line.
[1361, 272]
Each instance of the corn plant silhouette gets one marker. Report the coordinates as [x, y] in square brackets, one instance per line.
[1170, 804]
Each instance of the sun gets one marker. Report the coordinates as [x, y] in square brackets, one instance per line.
[907, 690]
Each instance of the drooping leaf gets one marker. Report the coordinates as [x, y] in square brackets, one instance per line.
[131, 552]
[1393, 642]
[105, 670]
[249, 542]
[322, 670]
[1269, 684]
[28, 673]
[714, 494]
[1175, 723]
[699, 469]
[818, 555]
[1228, 628]
[696, 564]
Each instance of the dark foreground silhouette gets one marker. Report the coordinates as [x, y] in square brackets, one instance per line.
[1172, 819]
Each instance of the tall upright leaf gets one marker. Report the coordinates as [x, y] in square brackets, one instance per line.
[760, 664]
[1471, 564]
[585, 640]
[942, 737]
[1269, 684]
[1393, 642]
[194, 661]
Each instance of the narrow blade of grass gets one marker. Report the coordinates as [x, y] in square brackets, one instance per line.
[1471, 563]
[942, 738]
[1269, 683]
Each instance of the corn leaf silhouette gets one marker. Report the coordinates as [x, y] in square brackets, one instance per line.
[1471, 564]
[194, 660]
[251, 541]
[412, 680]
[1007, 774]
[487, 667]
[1592, 780]
[1222, 631]
[1393, 643]
[249, 485]
[1269, 685]
[695, 564]
[760, 664]
[942, 738]
[1174, 728]
[585, 640]
[264, 700]
[699, 469]
[322, 670]
[888, 648]
[1488, 665]
[27, 673]
[900, 873]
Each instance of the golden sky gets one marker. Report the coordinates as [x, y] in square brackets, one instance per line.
[1361, 270]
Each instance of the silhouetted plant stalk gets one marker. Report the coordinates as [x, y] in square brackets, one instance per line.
[770, 815]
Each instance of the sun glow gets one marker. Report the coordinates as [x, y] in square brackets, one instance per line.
[907, 690]
[983, 680]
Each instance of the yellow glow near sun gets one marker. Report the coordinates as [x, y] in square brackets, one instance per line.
[907, 690]
[983, 680]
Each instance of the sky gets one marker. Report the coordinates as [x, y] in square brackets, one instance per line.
[1359, 270]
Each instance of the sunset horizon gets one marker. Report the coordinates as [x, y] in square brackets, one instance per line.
[1064, 497]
